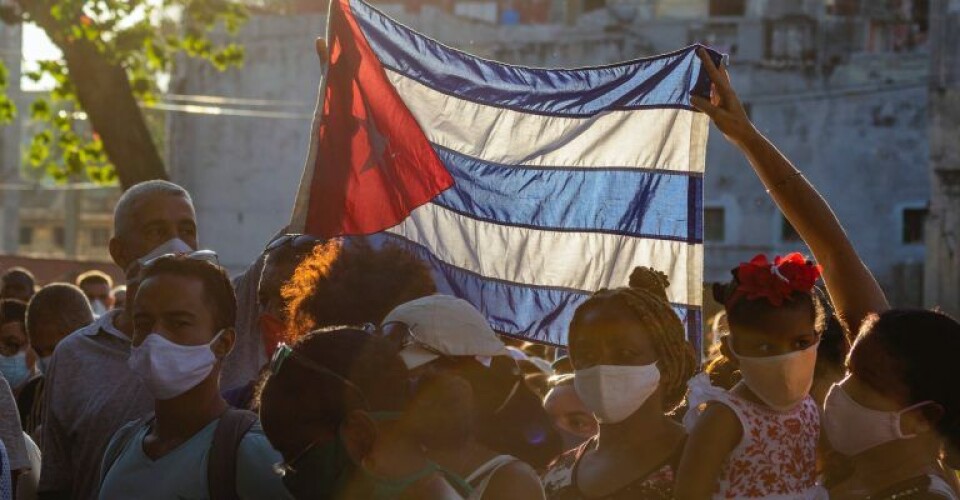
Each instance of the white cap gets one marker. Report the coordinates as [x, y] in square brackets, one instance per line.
[445, 325]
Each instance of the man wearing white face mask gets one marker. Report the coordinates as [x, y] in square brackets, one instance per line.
[192, 446]
[98, 287]
[91, 391]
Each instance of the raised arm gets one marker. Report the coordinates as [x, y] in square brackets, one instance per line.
[852, 287]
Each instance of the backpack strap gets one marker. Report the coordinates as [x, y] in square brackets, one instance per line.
[120, 441]
[222, 459]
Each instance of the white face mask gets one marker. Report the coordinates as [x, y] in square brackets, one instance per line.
[174, 246]
[853, 428]
[613, 393]
[99, 309]
[169, 369]
[781, 382]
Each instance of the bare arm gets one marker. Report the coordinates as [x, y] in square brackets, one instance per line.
[515, 481]
[717, 433]
[852, 287]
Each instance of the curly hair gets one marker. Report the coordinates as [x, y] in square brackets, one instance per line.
[646, 297]
[348, 282]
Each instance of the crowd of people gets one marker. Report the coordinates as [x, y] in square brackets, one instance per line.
[334, 369]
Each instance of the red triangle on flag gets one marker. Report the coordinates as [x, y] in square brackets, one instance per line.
[374, 164]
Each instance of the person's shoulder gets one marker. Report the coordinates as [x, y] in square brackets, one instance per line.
[256, 449]
[720, 414]
[518, 478]
[80, 336]
[255, 461]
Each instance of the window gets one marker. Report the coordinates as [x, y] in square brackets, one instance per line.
[100, 237]
[728, 7]
[59, 237]
[26, 236]
[914, 220]
[843, 7]
[791, 39]
[715, 224]
[787, 233]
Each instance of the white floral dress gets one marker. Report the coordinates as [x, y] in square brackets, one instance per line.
[777, 455]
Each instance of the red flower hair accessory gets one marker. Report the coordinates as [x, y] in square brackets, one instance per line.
[775, 282]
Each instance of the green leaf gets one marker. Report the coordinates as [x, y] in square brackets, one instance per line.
[8, 110]
[40, 110]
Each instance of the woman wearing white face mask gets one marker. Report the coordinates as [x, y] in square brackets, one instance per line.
[631, 362]
[898, 409]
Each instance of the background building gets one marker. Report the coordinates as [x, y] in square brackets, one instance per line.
[841, 86]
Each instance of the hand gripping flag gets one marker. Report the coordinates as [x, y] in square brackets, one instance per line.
[525, 189]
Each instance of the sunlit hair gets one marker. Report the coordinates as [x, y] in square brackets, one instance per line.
[59, 305]
[127, 204]
[646, 297]
[93, 277]
[350, 283]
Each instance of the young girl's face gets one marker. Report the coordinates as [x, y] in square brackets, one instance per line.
[774, 332]
[611, 334]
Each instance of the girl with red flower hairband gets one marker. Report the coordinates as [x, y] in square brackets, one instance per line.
[759, 439]
[895, 417]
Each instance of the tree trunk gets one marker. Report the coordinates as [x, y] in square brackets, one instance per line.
[106, 96]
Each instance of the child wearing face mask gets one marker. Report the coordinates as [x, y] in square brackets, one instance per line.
[759, 439]
[631, 361]
[897, 409]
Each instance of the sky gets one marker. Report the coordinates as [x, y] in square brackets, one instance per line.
[36, 47]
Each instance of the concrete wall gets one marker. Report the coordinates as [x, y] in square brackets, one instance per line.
[244, 170]
[862, 143]
[943, 229]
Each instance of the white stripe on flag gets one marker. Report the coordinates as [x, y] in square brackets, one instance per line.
[573, 260]
[658, 138]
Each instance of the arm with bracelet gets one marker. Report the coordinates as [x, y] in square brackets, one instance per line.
[853, 289]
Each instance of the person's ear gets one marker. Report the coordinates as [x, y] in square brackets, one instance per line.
[727, 351]
[119, 254]
[359, 434]
[223, 345]
[921, 420]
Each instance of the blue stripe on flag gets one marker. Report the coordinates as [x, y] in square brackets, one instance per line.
[625, 201]
[539, 314]
[660, 81]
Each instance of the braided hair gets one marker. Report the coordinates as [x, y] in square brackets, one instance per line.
[646, 298]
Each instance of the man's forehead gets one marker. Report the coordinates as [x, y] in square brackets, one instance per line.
[162, 206]
[170, 291]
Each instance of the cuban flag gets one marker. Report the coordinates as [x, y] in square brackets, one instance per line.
[525, 189]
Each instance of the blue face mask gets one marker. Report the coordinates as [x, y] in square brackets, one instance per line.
[14, 369]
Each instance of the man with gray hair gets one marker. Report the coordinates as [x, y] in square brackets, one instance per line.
[90, 391]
